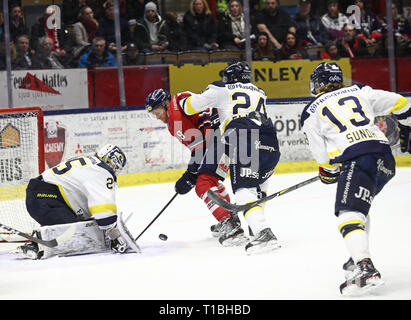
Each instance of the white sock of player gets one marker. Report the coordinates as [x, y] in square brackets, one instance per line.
[255, 216]
[352, 226]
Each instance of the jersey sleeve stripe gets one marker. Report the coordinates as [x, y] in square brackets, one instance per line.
[188, 108]
[102, 208]
[401, 103]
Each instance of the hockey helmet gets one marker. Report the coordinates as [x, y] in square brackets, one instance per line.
[113, 156]
[157, 98]
[325, 73]
[237, 72]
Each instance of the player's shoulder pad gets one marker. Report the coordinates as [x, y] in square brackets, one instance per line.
[218, 84]
[307, 110]
[108, 168]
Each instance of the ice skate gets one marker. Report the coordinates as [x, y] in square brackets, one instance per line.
[265, 241]
[349, 267]
[29, 250]
[231, 233]
[363, 279]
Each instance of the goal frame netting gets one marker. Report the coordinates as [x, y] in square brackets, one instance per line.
[19, 218]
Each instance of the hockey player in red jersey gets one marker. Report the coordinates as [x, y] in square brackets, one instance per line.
[197, 134]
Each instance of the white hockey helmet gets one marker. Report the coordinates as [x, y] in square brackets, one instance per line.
[113, 156]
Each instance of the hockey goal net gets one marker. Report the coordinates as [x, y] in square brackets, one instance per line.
[21, 158]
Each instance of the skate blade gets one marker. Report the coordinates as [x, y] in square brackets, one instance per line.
[353, 290]
[235, 241]
[261, 249]
[28, 255]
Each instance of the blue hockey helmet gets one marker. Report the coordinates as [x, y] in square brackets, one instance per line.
[325, 73]
[157, 98]
[237, 72]
[113, 156]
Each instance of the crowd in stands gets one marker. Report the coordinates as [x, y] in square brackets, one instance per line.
[86, 35]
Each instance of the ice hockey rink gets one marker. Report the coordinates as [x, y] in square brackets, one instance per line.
[191, 265]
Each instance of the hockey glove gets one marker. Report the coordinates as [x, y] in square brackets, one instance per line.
[405, 138]
[117, 242]
[329, 176]
[186, 182]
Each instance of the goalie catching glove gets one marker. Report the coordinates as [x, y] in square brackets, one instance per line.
[405, 138]
[329, 175]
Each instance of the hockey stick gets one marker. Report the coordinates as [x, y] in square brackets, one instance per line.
[157, 216]
[48, 243]
[234, 207]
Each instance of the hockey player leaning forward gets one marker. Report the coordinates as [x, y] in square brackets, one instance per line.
[196, 132]
[250, 143]
[78, 193]
[354, 153]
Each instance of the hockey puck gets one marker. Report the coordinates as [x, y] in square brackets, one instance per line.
[163, 237]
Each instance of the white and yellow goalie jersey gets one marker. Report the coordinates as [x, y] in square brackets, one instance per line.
[340, 124]
[88, 187]
[232, 101]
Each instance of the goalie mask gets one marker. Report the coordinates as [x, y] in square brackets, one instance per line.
[157, 98]
[324, 74]
[113, 156]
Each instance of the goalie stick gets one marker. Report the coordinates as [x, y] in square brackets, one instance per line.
[48, 243]
[235, 208]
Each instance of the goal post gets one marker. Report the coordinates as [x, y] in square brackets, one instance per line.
[21, 158]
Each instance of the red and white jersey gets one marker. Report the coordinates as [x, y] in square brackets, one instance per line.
[88, 187]
[340, 124]
[189, 130]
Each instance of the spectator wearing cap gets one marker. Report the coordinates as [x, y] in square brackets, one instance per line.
[106, 28]
[132, 56]
[275, 22]
[351, 46]
[200, 26]
[149, 32]
[309, 29]
[334, 20]
[331, 51]
[97, 56]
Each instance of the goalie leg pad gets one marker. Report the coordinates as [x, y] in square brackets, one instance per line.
[88, 238]
[206, 182]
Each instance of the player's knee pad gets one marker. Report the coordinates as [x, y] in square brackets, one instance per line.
[350, 221]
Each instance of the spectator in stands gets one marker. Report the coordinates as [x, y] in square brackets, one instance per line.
[351, 46]
[70, 10]
[264, 49]
[174, 32]
[334, 20]
[309, 29]
[1, 25]
[275, 22]
[402, 32]
[230, 27]
[132, 56]
[149, 32]
[331, 51]
[291, 49]
[200, 26]
[106, 28]
[45, 57]
[135, 9]
[24, 55]
[84, 31]
[17, 23]
[59, 36]
[97, 56]
[3, 65]
[369, 27]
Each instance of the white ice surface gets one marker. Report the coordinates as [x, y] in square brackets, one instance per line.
[191, 265]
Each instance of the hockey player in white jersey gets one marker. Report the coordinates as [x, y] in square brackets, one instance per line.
[79, 192]
[352, 151]
[250, 143]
